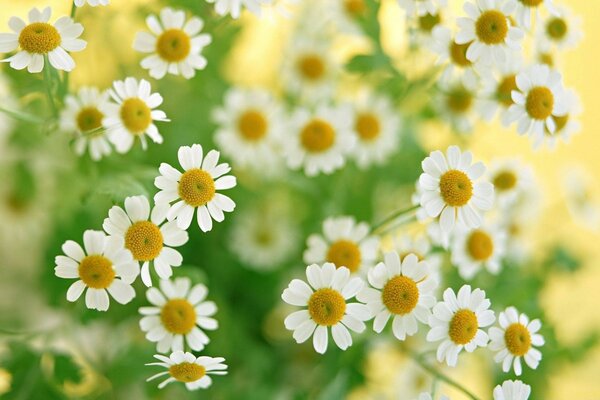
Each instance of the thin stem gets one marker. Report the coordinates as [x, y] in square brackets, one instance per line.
[73, 10]
[393, 217]
[48, 84]
[21, 116]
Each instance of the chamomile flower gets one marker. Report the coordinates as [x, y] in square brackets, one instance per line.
[497, 85]
[476, 249]
[319, 141]
[457, 322]
[488, 31]
[93, 3]
[457, 101]
[327, 306]
[345, 243]
[175, 45]
[453, 56]
[39, 40]
[105, 267]
[83, 115]
[235, 7]
[148, 241]
[526, 9]
[421, 247]
[512, 390]
[401, 290]
[186, 368]
[134, 114]
[196, 188]
[422, 7]
[582, 196]
[450, 189]
[562, 30]
[345, 14]
[566, 125]
[178, 315]
[511, 179]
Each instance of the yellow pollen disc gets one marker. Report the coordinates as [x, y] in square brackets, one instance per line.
[459, 100]
[505, 88]
[517, 339]
[344, 253]
[458, 54]
[89, 118]
[428, 21]
[173, 45]
[178, 316]
[317, 136]
[546, 58]
[355, 7]
[136, 115]
[480, 245]
[252, 125]
[531, 3]
[144, 240]
[96, 272]
[539, 102]
[463, 326]
[187, 372]
[196, 187]
[367, 126]
[326, 307]
[39, 38]
[456, 188]
[264, 237]
[400, 295]
[311, 67]
[492, 27]
[556, 28]
[505, 180]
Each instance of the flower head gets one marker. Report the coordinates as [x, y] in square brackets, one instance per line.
[193, 371]
[512, 390]
[475, 249]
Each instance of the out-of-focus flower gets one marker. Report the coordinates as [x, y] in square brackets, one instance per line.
[189, 369]
[497, 85]
[421, 247]
[566, 125]
[475, 249]
[235, 7]
[9, 103]
[562, 30]
[582, 197]
[457, 100]
[452, 56]
[511, 179]
[93, 3]
[512, 390]
[526, 10]
[422, 7]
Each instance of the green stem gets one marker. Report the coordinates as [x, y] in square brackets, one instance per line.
[393, 217]
[48, 84]
[73, 10]
[21, 116]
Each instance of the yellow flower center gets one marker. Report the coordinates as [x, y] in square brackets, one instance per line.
[264, 237]
[326, 307]
[136, 115]
[252, 125]
[144, 240]
[531, 3]
[317, 136]
[539, 102]
[355, 7]
[463, 326]
[491, 27]
[196, 187]
[429, 21]
[505, 180]
[458, 54]
[173, 45]
[480, 245]
[456, 188]
[311, 67]
[89, 119]
[345, 253]
[39, 38]
[367, 126]
[546, 58]
[96, 271]
[459, 100]
[505, 88]
[517, 339]
[400, 295]
[187, 372]
[556, 28]
[178, 316]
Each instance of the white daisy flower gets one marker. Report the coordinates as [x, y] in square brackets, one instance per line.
[421, 247]
[453, 56]
[175, 45]
[344, 14]
[104, 266]
[178, 314]
[497, 85]
[39, 39]
[511, 179]
[582, 196]
[235, 7]
[515, 339]
[450, 190]
[133, 115]
[457, 100]
[457, 322]
[475, 249]
[422, 7]
[185, 367]
[566, 125]
[512, 390]
[326, 306]
[93, 3]
[402, 290]
[488, 30]
[345, 243]
[148, 241]
[562, 30]
[526, 9]
[196, 188]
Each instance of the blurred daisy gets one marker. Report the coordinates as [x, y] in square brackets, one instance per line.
[147, 240]
[93, 3]
[515, 339]
[402, 290]
[457, 101]
[512, 390]
[475, 249]
[562, 30]
[185, 367]
[453, 56]
[177, 314]
[582, 197]
[84, 115]
[39, 40]
[425, 26]
[422, 7]
[525, 9]
[511, 179]
[450, 190]
[345, 243]
[566, 125]
[497, 85]
[234, 7]
[319, 141]
[345, 14]
[326, 306]
[133, 115]
[457, 322]
[175, 44]
[9, 103]
[196, 188]
[105, 267]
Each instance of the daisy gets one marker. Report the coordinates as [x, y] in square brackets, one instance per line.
[234, 7]
[326, 306]
[422, 7]
[566, 125]
[133, 115]
[538, 100]
[450, 190]
[453, 56]
[195, 188]
[345, 243]
[457, 322]
[488, 31]
[582, 196]
[402, 290]
[39, 40]
[84, 115]
[515, 339]
[175, 45]
[177, 314]
[512, 390]
[189, 369]
[104, 266]
[497, 85]
[422, 248]
[147, 240]
[525, 9]
[457, 100]
[562, 30]
[511, 179]
[93, 3]
[475, 249]
[345, 14]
